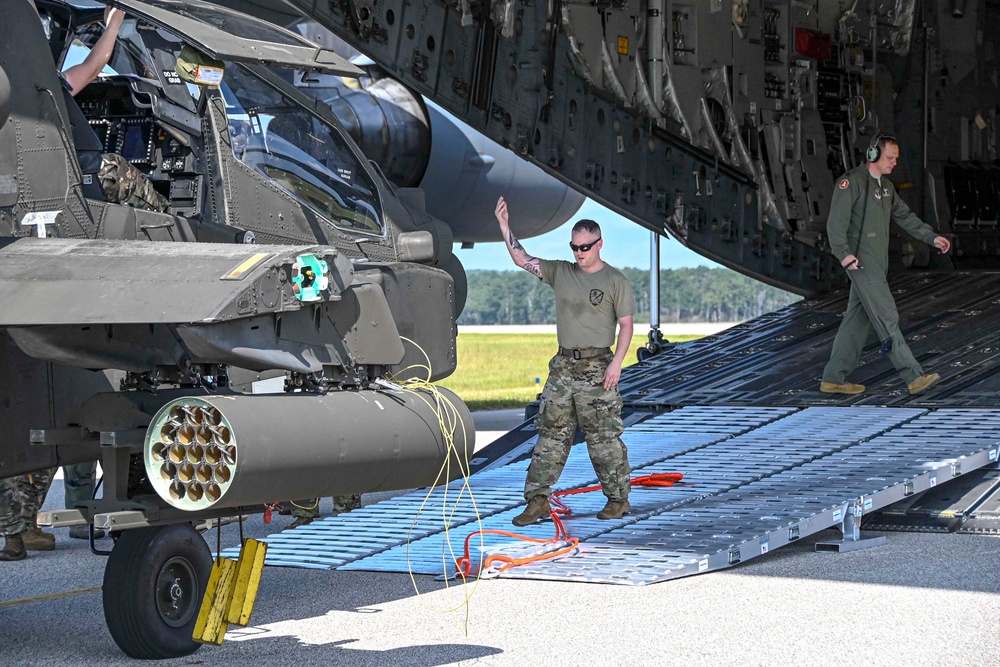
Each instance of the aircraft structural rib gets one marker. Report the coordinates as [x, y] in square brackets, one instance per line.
[566, 87]
[726, 124]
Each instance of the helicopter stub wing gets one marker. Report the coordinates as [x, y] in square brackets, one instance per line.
[136, 305]
[70, 281]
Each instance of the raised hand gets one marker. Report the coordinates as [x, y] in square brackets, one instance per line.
[501, 213]
[113, 14]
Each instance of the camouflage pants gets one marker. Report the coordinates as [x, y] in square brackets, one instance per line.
[574, 395]
[20, 499]
[122, 183]
[309, 509]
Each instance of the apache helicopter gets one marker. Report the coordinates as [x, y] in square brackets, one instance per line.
[135, 337]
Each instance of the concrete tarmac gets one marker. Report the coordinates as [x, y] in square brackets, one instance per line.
[922, 599]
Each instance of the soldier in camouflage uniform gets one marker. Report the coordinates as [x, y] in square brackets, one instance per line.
[592, 297]
[120, 181]
[20, 499]
[305, 511]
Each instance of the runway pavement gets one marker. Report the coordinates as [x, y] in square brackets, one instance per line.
[923, 599]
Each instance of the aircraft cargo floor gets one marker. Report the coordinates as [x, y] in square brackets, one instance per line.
[755, 479]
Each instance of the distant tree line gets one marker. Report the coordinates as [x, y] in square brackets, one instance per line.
[700, 294]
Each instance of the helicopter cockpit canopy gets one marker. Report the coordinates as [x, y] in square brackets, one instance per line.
[156, 118]
[225, 34]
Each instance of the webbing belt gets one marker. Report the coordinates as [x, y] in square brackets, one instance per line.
[584, 352]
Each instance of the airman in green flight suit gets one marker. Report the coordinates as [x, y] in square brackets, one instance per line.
[864, 201]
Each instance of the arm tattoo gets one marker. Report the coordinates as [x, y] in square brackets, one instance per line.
[530, 263]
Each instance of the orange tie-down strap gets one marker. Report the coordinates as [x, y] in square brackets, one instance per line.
[561, 539]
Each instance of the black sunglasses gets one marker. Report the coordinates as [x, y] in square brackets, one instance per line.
[583, 247]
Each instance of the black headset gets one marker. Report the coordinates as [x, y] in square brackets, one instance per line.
[874, 150]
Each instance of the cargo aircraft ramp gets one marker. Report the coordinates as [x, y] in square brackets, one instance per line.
[755, 479]
[951, 322]
[766, 458]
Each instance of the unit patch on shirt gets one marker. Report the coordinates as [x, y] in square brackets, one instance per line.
[596, 297]
[844, 183]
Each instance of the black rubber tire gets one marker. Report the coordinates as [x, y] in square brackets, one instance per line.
[145, 567]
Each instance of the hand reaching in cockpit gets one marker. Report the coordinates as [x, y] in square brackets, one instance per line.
[113, 17]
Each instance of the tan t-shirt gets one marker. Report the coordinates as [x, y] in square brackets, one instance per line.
[588, 305]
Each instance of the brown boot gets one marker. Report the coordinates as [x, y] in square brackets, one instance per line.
[36, 539]
[615, 509]
[846, 388]
[923, 382]
[14, 549]
[538, 507]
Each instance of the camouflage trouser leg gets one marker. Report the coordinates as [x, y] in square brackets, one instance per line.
[11, 522]
[122, 183]
[36, 487]
[20, 499]
[309, 509]
[574, 395]
[78, 483]
[343, 504]
[306, 509]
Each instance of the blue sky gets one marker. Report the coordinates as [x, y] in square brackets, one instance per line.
[626, 245]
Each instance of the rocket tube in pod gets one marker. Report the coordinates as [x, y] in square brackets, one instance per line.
[228, 451]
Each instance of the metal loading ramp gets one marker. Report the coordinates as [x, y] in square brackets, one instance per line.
[967, 505]
[951, 322]
[755, 479]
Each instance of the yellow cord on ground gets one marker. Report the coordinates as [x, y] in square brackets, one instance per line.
[449, 421]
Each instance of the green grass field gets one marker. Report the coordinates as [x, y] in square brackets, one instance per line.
[508, 370]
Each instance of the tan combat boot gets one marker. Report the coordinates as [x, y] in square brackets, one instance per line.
[846, 388]
[36, 539]
[14, 549]
[301, 521]
[615, 509]
[923, 382]
[538, 508]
